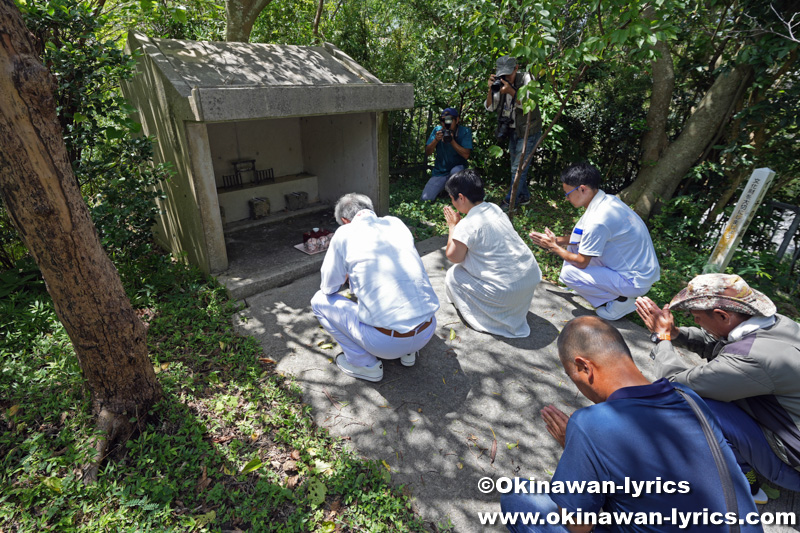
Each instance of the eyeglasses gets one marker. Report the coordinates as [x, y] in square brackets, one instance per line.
[566, 195]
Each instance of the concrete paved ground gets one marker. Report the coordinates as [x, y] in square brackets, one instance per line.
[434, 424]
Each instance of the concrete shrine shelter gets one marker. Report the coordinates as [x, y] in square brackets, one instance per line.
[258, 131]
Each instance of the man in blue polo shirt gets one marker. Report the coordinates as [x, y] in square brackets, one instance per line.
[639, 431]
[452, 144]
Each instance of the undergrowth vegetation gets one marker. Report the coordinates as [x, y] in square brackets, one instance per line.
[231, 447]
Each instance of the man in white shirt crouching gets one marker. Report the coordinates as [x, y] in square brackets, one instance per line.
[609, 258]
[394, 315]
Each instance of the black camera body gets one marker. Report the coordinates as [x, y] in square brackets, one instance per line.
[497, 84]
[503, 127]
[447, 135]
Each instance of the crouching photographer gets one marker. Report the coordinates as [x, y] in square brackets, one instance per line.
[504, 84]
[452, 144]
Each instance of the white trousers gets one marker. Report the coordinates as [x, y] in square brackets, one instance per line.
[361, 343]
[598, 284]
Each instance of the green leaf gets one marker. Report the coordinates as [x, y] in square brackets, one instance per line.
[452, 334]
[179, 15]
[316, 491]
[327, 527]
[146, 5]
[54, 484]
[79, 117]
[252, 465]
[495, 151]
[205, 519]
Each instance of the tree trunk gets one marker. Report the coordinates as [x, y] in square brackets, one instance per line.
[655, 138]
[43, 201]
[317, 18]
[658, 182]
[241, 15]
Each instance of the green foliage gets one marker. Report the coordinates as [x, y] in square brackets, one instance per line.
[285, 22]
[424, 219]
[112, 164]
[124, 210]
[204, 460]
[11, 248]
[199, 20]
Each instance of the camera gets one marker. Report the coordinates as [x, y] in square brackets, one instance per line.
[503, 127]
[447, 133]
[497, 84]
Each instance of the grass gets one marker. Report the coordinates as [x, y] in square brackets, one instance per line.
[231, 447]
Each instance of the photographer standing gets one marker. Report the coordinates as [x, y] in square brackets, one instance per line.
[452, 144]
[511, 121]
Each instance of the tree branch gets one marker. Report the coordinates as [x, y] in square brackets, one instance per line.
[316, 20]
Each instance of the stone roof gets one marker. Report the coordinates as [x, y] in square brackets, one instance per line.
[223, 81]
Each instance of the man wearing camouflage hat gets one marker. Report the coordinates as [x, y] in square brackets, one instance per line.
[751, 376]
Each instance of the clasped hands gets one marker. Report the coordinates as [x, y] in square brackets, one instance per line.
[556, 422]
[451, 216]
[546, 240]
[657, 319]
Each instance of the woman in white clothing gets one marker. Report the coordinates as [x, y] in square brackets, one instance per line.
[493, 281]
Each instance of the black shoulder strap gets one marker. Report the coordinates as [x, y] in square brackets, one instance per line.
[728, 488]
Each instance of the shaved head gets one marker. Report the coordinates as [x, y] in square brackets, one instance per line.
[593, 338]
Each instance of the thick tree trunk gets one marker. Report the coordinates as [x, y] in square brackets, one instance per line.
[655, 139]
[658, 182]
[45, 205]
[241, 15]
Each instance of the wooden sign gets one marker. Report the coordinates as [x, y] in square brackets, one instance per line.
[735, 228]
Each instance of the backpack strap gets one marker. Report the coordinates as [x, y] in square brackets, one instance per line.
[725, 478]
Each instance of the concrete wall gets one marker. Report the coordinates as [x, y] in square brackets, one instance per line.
[342, 151]
[180, 225]
[272, 143]
[205, 196]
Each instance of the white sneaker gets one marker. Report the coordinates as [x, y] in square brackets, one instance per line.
[760, 497]
[614, 310]
[369, 373]
[408, 359]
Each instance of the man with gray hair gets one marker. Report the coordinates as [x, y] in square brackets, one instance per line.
[751, 377]
[394, 316]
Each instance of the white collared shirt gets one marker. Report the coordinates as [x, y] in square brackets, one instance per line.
[386, 274]
[613, 233]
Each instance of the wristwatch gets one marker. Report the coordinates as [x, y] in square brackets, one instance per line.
[655, 338]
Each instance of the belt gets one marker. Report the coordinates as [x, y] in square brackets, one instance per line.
[393, 333]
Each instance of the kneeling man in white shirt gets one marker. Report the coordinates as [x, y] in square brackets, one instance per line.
[394, 316]
[609, 258]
